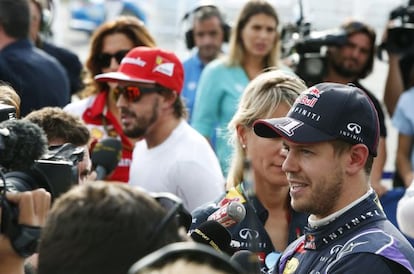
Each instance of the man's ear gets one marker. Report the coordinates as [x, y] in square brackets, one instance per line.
[358, 155]
[169, 98]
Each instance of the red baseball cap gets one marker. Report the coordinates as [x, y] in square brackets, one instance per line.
[148, 65]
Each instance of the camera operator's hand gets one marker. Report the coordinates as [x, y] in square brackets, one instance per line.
[33, 209]
[33, 206]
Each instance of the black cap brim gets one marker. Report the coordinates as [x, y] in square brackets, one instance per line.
[290, 129]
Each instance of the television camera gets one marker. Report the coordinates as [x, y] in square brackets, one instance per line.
[27, 164]
[307, 50]
[400, 33]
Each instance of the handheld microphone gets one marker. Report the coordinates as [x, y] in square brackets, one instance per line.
[248, 261]
[229, 214]
[105, 156]
[21, 143]
[213, 234]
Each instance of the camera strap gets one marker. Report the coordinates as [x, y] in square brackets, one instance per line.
[25, 241]
[23, 238]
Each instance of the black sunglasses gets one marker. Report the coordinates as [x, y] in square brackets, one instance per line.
[104, 59]
[133, 93]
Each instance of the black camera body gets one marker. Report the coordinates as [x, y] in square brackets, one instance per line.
[310, 51]
[7, 112]
[400, 36]
[56, 172]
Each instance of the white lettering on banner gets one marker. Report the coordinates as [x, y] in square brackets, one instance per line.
[289, 126]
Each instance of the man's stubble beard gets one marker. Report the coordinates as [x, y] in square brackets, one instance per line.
[141, 126]
[341, 70]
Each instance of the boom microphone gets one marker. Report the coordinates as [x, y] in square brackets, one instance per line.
[21, 143]
[213, 234]
[229, 214]
[105, 156]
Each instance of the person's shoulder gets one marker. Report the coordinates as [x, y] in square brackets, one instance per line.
[384, 239]
[365, 262]
[407, 94]
[217, 64]
[42, 55]
[193, 58]
[60, 53]
[79, 106]
[191, 138]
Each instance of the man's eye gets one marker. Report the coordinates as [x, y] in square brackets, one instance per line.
[306, 151]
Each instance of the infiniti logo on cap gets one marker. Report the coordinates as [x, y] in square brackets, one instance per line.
[354, 128]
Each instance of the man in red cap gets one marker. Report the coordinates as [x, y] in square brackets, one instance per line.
[172, 156]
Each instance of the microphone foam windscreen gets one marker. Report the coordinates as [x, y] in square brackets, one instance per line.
[107, 153]
[21, 143]
[214, 234]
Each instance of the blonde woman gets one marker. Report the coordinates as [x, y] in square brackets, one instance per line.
[270, 223]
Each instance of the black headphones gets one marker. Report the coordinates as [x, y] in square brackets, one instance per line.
[190, 251]
[212, 10]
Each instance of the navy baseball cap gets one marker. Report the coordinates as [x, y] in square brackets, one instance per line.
[326, 112]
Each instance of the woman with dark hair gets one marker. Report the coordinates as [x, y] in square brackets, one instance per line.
[254, 46]
[109, 44]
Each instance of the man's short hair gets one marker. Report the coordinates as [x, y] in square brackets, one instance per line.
[15, 18]
[59, 124]
[103, 228]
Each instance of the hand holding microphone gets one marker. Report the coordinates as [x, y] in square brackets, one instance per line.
[229, 214]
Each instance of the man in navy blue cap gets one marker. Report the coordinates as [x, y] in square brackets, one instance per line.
[330, 140]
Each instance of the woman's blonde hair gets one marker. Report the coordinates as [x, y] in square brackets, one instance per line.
[260, 99]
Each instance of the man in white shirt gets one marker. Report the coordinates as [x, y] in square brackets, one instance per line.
[171, 156]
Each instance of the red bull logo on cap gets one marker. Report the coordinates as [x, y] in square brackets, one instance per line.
[310, 97]
[314, 91]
